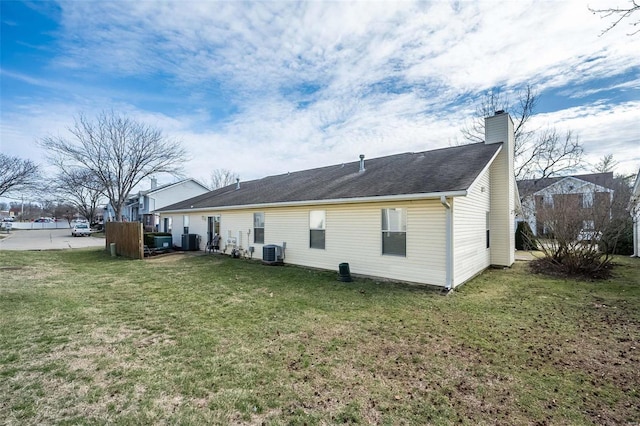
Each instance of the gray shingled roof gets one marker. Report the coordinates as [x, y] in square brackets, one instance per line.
[442, 170]
[530, 186]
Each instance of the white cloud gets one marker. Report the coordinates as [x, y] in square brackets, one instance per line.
[386, 77]
[602, 131]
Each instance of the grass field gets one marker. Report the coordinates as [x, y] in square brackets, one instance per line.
[192, 339]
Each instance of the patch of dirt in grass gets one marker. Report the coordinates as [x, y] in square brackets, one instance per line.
[549, 267]
[90, 376]
[166, 258]
[31, 275]
[174, 257]
[609, 355]
[11, 268]
[604, 354]
[382, 374]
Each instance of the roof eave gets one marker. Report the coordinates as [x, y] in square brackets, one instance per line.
[376, 199]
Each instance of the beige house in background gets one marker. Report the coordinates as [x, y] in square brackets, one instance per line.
[436, 217]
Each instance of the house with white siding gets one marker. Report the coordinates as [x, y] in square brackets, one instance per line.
[140, 206]
[634, 210]
[435, 217]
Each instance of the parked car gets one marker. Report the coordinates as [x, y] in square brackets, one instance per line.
[80, 229]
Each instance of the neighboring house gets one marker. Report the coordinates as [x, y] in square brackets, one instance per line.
[580, 193]
[634, 210]
[436, 217]
[140, 207]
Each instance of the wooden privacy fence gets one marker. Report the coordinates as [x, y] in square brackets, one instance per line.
[128, 238]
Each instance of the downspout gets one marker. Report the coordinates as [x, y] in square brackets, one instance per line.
[448, 244]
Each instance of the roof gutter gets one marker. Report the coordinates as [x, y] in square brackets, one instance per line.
[375, 199]
[448, 243]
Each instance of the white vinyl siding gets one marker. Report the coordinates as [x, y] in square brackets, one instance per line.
[352, 235]
[470, 253]
[172, 194]
[502, 210]
[236, 227]
[499, 129]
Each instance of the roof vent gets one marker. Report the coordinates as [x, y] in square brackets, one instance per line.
[237, 183]
[361, 163]
[499, 112]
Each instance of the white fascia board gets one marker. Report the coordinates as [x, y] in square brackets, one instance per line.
[171, 185]
[166, 186]
[560, 187]
[387, 198]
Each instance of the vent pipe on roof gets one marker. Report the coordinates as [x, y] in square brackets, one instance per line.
[237, 183]
[361, 163]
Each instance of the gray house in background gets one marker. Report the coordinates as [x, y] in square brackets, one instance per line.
[140, 207]
[434, 217]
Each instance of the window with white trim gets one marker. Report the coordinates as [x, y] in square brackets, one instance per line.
[587, 200]
[258, 228]
[394, 232]
[317, 227]
[185, 224]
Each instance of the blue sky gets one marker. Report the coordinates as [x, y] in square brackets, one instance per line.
[263, 88]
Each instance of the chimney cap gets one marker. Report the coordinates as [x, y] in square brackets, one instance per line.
[499, 112]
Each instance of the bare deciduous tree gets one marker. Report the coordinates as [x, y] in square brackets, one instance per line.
[550, 154]
[221, 178]
[17, 175]
[82, 189]
[118, 151]
[618, 14]
[65, 210]
[538, 153]
[606, 164]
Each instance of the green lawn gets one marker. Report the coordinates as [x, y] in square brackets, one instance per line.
[203, 339]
